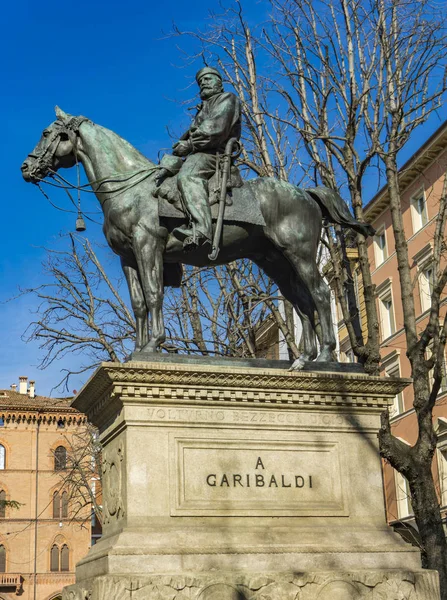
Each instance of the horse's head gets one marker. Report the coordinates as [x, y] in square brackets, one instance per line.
[56, 148]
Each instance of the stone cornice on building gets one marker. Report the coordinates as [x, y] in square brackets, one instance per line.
[18, 407]
[414, 166]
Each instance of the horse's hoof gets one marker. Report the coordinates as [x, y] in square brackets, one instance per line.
[298, 364]
[325, 356]
[150, 348]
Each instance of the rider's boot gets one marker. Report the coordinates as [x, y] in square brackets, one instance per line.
[192, 237]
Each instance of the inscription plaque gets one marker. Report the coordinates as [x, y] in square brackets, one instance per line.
[212, 477]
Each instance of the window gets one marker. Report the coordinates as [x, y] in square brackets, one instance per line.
[431, 374]
[60, 505]
[441, 432]
[426, 287]
[2, 559]
[387, 316]
[56, 505]
[2, 457]
[386, 310]
[392, 369]
[2, 504]
[442, 469]
[380, 248]
[54, 558]
[64, 558]
[64, 506]
[404, 508]
[60, 458]
[59, 558]
[426, 274]
[419, 211]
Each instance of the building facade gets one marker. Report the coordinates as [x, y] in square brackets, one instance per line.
[41, 539]
[421, 183]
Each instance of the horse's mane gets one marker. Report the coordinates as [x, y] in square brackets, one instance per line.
[118, 141]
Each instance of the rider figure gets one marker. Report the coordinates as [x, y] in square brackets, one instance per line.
[218, 119]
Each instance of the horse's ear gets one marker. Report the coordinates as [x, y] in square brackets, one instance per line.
[60, 114]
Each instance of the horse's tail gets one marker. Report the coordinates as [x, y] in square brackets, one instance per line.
[336, 210]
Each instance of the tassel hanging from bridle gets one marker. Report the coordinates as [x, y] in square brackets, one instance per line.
[80, 223]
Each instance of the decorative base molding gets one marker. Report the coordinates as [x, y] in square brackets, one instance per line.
[330, 585]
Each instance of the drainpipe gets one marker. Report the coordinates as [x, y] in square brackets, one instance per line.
[36, 504]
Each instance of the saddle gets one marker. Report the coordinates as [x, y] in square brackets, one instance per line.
[169, 191]
[241, 203]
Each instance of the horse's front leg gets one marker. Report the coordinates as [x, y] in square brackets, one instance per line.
[148, 248]
[138, 302]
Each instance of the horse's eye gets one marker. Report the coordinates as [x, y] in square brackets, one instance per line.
[45, 133]
[64, 137]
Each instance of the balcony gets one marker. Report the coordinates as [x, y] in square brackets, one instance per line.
[9, 580]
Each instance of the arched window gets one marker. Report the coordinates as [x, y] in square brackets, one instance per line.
[2, 457]
[56, 505]
[60, 505]
[59, 558]
[54, 562]
[2, 504]
[2, 559]
[64, 507]
[60, 458]
[65, 555]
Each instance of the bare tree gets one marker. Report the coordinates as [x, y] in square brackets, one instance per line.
[81, 478]
[216, 311]
[79, 310]
[219, 311]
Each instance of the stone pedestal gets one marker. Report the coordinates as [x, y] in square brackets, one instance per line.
[234, 482]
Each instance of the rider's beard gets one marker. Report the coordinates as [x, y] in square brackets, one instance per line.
[210, 90]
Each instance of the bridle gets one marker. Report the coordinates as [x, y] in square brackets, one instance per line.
[71, 129]
[44, 162]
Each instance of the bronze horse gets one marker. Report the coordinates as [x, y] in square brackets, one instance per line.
[124, 181]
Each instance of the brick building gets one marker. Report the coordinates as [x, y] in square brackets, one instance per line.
[41, 541]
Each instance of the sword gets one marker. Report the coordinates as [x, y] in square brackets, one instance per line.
[223, 196]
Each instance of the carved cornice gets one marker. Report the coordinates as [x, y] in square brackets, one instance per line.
[207, 384]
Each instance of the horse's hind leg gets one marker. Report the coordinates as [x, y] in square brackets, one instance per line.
[299, 246]
[138, 302]
[278, 268]
[309, 275]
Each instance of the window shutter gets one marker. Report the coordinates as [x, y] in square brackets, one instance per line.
[65, 558]
[2, 559]
[60, 458]
[54, 566]
[64, 505]
[56, 506]
[2, 505]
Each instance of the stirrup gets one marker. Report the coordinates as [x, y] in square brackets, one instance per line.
[192, 242]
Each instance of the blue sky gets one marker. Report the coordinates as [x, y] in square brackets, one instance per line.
[110, 62]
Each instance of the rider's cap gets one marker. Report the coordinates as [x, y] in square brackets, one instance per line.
[206, 71]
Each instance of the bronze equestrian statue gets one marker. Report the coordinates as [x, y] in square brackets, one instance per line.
[154, 231]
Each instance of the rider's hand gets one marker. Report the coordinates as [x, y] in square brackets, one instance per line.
[181, 149]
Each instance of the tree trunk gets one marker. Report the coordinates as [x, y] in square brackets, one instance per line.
[428, 519]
